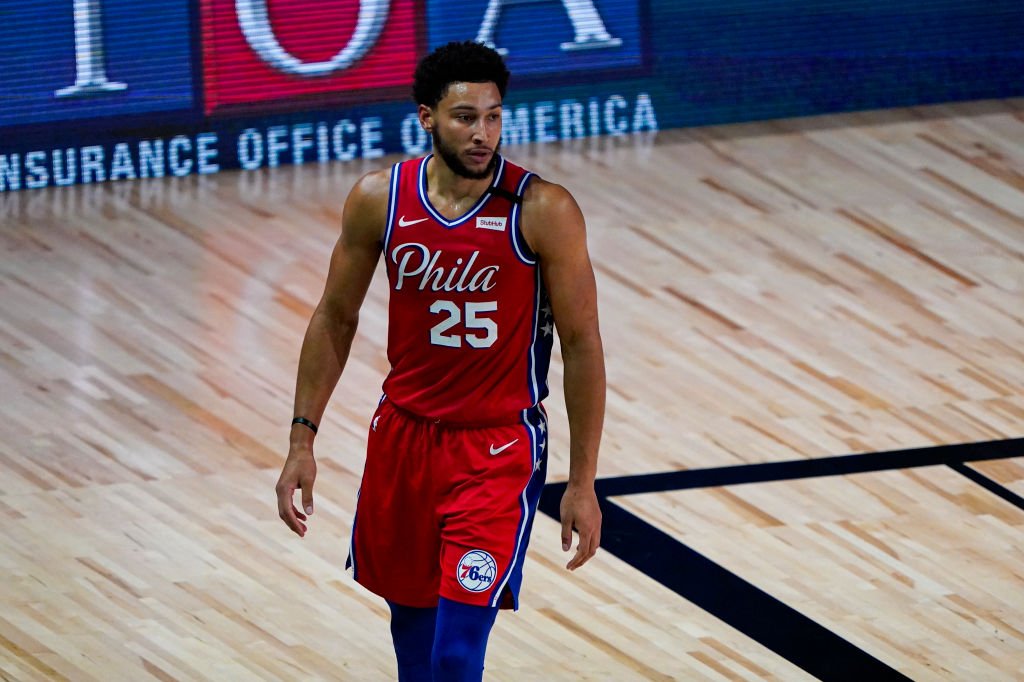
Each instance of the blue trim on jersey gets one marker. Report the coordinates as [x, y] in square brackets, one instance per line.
[540, 346]
[531, 358]
[538, 359]
[519, 246]
[351, 561]
[535, 421]
[422, 185]
[396, 172]
[539, 355]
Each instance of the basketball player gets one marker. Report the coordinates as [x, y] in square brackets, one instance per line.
[484, 261]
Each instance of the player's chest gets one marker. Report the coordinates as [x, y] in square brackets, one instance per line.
[474, 257]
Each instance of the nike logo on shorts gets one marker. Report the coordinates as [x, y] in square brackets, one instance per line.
[402, 222]
[503, 448]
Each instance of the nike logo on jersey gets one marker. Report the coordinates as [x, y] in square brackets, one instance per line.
[503, 448]
[402, 222]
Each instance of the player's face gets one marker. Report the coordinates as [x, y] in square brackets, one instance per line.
[466, 129]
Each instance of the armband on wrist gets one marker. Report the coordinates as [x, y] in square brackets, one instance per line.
[305, 422]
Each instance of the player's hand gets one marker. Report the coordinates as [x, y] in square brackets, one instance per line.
[299, 472]
[579, 510]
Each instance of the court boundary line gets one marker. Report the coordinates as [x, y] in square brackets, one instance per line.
[802, 641]
[990, 485]
[840, 465]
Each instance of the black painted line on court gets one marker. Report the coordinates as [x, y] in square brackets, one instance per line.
[809, 468]
[990, 485]
[723, 594]
[734, 601]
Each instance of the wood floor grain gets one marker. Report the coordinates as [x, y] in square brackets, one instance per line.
[769, 291]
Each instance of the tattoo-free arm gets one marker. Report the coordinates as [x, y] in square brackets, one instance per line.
[329, 335]
[553, 226]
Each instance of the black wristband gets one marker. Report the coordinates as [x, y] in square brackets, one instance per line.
[305, 422]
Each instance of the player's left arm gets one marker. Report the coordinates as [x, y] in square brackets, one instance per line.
[554, 228]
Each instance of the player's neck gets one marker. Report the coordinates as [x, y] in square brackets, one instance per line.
[452, 188]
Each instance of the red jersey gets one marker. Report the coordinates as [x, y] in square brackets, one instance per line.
[470, 326]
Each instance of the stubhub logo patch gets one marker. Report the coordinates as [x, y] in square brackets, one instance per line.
[497, 224]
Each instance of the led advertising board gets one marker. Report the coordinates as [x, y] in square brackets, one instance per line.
[257, 52]
[107, 90]
[72, 59]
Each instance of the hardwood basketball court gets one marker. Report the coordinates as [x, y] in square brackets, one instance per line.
[773, 295]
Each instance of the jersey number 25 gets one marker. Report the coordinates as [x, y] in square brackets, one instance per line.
[471, 320]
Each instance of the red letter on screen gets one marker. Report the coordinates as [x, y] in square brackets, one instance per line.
[264, 54]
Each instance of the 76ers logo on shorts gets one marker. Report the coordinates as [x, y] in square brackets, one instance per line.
[476, 570]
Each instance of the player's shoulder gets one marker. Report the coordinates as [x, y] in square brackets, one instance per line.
[543, 198]
[373, 187]
[552, 220]
[369, 197]
[367, 206]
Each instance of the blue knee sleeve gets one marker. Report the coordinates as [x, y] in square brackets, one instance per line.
[460, 641]
[412, 631]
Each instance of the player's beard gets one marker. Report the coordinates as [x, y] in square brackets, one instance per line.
[450, 156]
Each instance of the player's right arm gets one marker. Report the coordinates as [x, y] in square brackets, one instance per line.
[329, 335]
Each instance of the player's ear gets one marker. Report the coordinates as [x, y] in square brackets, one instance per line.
[426, 115]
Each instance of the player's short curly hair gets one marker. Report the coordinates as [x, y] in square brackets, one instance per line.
[457, 62]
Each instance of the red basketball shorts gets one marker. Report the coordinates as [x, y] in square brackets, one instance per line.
[447, 511]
